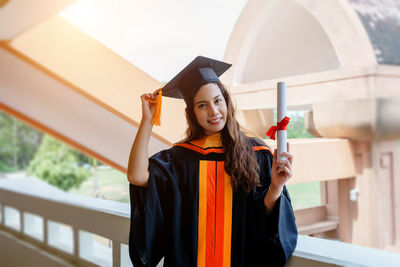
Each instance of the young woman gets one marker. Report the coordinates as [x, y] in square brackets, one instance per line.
[216, 199]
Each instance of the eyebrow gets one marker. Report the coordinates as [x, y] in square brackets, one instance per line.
[203, 101]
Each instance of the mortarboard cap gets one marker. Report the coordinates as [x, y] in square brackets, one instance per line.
[200, 71]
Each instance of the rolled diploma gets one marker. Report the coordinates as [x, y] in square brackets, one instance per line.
[282, 135]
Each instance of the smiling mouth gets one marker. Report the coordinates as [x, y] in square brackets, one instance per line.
[215, 121]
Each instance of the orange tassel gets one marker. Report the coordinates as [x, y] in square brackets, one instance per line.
[157, 115]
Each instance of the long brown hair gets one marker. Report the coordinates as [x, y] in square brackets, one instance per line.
[240, 158]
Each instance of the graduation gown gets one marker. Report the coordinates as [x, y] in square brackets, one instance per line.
[189, 214]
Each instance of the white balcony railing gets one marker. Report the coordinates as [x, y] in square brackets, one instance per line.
[41, 221]
[82, 230]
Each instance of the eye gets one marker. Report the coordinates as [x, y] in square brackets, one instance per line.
[218, 100]
[201, 105]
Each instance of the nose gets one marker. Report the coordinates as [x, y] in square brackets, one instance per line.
[213, 110]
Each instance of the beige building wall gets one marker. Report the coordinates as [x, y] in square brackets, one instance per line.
[324, 53]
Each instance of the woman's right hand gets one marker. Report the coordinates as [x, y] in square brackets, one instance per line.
[148, 108]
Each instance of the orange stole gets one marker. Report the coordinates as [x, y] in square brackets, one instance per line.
[215, 215]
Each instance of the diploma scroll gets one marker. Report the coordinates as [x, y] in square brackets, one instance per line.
[281, 114]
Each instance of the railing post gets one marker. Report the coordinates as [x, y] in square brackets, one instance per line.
[2, 214]
[76, 241]
[21, 221]
[116, 253]
[45, 233]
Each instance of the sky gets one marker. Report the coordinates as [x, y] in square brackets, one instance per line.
[160, 37]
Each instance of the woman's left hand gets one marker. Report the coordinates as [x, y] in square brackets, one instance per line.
[281, 171]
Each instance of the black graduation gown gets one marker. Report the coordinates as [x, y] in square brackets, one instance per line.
[189, 224]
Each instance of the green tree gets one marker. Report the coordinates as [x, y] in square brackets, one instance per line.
[7, 150]
[57, 164]
[295, 128]
[28, 142]
[83, 158]
[18, 143]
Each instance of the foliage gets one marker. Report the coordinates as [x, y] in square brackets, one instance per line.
[18, 143]
[56, 163]
[295, 128]
[83, 158]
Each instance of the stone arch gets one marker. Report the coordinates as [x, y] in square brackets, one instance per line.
[274, 39]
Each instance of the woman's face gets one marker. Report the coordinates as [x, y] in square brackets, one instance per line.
[210, 108]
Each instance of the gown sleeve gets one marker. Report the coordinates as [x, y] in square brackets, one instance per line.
[278, 228]
[147, 229]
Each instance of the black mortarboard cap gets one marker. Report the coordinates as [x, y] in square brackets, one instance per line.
[200, 71]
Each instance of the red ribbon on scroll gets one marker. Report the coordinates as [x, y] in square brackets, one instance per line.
[282, 125]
